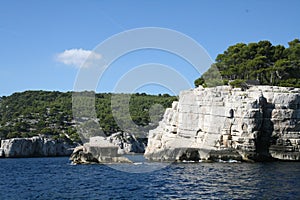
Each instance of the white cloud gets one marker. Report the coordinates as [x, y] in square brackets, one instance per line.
[77, 57]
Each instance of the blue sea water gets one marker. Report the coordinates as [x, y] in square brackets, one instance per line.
[56, 178]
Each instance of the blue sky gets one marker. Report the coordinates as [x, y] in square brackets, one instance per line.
[34, 33]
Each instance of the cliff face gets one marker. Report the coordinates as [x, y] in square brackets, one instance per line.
[33, 147]
[260, 123]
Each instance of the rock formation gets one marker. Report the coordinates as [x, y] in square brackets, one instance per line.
[127, 143]
[34, 147]
[97, 150]
[260, 123]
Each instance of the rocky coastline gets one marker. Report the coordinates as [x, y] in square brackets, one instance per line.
[261, 123]
[34, 147]
[118, 143]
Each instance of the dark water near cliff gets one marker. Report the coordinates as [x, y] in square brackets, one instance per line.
[55, 178]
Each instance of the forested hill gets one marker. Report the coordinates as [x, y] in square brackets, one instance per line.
[32, 113]
[261, 62]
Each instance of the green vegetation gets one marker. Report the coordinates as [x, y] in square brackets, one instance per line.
[262, 61]
[32, 113]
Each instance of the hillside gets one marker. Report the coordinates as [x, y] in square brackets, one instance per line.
[32, 113]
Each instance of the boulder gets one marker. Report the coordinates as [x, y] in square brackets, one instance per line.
[97, 150]
[127, 143]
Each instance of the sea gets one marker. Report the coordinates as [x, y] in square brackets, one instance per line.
[57, 178]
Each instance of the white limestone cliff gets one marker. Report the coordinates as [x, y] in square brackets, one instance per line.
[34, 147]
[260, 123]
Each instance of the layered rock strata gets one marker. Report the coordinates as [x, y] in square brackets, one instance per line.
[261, 123]
[34, 147]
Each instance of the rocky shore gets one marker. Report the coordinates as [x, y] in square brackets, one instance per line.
[34, 147]
[97, 150]
[108, 149]
[258, 124]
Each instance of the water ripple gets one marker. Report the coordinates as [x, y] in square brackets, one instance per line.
[55, 178]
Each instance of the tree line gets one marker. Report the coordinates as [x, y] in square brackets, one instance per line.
[259, 61]
[32, 113]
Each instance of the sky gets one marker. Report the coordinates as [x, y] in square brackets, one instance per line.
[44, 43]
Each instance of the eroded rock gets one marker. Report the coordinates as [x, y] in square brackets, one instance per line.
[97, 150]
[127, 143]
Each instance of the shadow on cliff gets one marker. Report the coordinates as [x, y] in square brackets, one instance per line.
[264, 138]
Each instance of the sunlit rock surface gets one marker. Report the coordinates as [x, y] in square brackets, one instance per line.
[260, 123]
[34, 147]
